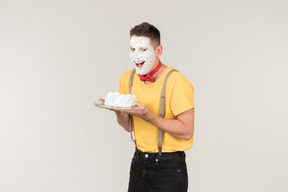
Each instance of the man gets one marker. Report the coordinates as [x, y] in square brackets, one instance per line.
[154, 167]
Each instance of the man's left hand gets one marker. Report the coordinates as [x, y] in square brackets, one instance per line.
[142, 112]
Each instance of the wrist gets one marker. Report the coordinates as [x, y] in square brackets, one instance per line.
[148, 116]
[119, 113]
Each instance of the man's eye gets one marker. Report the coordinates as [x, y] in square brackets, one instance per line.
[132, 49]
[144, 49]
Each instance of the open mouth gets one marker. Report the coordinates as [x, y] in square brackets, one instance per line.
[139, 64]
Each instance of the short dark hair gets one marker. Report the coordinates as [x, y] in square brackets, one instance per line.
[147, 30]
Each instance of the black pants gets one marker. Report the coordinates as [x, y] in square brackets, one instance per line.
[153, 173]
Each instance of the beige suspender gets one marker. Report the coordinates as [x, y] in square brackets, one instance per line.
[162, 111]
[162, 108]
[130, 118]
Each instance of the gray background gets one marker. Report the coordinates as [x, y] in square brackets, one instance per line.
[58, 57]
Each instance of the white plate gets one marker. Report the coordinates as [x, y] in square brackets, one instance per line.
[102, 105]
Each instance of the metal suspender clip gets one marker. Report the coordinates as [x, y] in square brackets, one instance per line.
[160, 150]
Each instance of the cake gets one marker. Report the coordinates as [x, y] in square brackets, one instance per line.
[116, 99]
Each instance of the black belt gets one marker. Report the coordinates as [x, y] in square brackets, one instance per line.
[144, 155]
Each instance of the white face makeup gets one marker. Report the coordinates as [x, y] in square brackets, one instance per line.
[142, 54]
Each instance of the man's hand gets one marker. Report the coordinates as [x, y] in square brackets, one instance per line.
[181, 127]
[101, 100]
[122, 118]
[142, 112]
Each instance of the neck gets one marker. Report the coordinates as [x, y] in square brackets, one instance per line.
[158, 74]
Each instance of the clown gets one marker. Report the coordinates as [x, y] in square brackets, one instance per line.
[163, 129]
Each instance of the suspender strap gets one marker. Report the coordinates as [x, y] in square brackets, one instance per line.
[130, 118]
[131, 81]
[162, 111]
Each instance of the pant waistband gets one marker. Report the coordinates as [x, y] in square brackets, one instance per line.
[144, 155]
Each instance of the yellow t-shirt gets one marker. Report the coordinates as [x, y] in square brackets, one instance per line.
[179, 98]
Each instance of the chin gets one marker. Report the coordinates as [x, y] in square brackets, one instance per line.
[139, 72]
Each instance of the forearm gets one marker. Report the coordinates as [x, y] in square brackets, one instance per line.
[123, 120]
[175, 127]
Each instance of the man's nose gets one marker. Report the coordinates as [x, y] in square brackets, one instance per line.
[136, 54]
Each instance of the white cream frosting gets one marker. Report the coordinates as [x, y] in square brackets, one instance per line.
[120, 100]
[142, 51]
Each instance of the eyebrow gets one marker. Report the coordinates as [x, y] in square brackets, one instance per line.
[139, 47]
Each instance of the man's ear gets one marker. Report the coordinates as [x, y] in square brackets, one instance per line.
[159, 51]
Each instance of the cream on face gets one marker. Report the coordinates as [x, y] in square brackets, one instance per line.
[142, 54]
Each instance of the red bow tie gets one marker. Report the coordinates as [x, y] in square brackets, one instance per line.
[149, 76]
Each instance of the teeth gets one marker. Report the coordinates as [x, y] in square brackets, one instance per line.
[140, 62]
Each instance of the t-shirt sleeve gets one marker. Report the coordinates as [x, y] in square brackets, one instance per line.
[182, 96]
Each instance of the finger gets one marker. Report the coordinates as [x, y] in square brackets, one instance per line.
[141, 106]
[102, 100]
